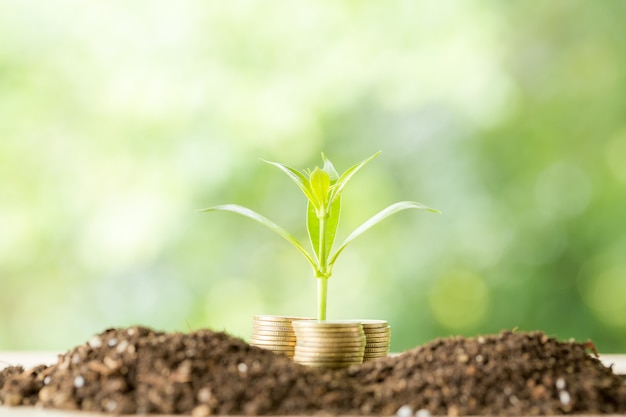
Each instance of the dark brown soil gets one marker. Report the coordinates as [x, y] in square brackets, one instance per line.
[139, 370]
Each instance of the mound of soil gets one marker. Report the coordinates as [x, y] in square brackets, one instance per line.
[139, 370]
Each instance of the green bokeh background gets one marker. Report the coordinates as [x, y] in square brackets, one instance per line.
[119, 119]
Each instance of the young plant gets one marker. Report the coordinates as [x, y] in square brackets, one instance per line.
[323, 188]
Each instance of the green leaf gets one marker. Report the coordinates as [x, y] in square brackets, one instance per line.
[299, 178]
[246, 212]
[346, 176]
[332, 223]
[330, 168]
[319, 181]
[377, 218]
[313, 228]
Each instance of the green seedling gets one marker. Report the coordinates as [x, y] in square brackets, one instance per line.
[323, 188]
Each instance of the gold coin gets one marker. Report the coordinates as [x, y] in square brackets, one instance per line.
[280, 336]
[272, 323]
[278, 348]
[330, 342]
[377, 345]
[331, 323]
[308, 324]
[283, 330]
[329, 345]
[287, 332]
[377, 331]
[283, 352]
[329, 334]
[339, 335]
[329, 349]
[263, 332]
[377, 355]
[378, 334]
[377, 340]
[329, 364]
[273, 342]
[327, 357]
[287, 354]
[264, 343]
[327, 329]
[371, 324]
[259, 336]
[336, 346]
[377, 349]
[309, 359]
[334, 336]
[321, 359]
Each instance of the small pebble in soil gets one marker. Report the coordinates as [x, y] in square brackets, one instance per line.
[560, 383]
[79, 382]
[405, 411]
[422, 412]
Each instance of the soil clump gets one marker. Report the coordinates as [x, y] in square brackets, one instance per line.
[140, 370]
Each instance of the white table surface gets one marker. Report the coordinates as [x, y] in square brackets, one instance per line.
[29, 359]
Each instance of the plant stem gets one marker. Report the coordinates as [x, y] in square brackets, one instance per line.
[322, 283]
[322, 287]
[322, 243]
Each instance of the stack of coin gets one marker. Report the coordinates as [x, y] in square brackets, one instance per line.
[378, 339]
[275, 333]
[329, 344]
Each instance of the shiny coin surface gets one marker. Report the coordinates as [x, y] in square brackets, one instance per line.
[299, 356]
[258, 339]
[333, 336]
[329, 350]
[317, 344]
[277, 348]
[327, 325]
[377, 345]
[264, 343]
[372, 324]
[271, 333]
[307, 326]
[377, 331]
[328, 331]
[376, 339]
[330, 365]
[307, 360]
[375, 350]
[259, 336]
[272, 325]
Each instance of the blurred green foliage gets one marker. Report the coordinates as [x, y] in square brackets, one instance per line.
[119, 119]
